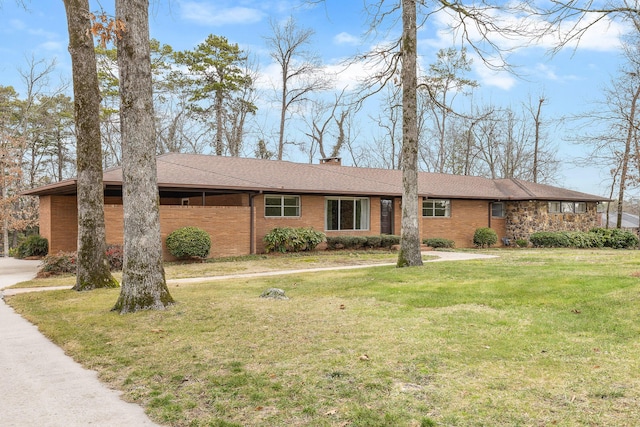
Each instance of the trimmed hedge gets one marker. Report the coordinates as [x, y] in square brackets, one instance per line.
[288, 239]
[595, 238]
[34, 245]
[439, 242]
[362, 242]
[485, 236]
[187, 242]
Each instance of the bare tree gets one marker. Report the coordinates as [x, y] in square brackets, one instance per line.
[93, 269]
[143, 280]
[325, 121]
[444, 82]
[300, 70]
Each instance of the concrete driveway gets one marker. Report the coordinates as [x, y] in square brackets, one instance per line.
[40, 386]
[14, 270]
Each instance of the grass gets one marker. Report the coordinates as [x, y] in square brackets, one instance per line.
[533, 338]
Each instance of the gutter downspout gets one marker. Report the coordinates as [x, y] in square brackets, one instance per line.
[252, 223]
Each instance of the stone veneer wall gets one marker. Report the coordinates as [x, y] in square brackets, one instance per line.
[526, 217]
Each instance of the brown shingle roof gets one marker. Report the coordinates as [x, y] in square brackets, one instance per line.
[196, 171]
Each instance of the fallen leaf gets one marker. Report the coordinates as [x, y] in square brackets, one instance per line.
[364, 357]
[157, 331]
[342, 307]
[331, 412]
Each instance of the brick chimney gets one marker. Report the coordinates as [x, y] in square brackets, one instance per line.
[331, 161]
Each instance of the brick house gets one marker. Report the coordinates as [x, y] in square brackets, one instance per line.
[237, 201]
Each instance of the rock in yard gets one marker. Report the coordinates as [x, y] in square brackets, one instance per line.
[274, 293]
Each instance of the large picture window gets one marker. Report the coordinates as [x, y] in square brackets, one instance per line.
[436, 208]
[278, 206]
[346, 213]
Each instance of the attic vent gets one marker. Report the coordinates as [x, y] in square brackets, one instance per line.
[331, 161]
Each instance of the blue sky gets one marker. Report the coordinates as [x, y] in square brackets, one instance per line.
[571, 80]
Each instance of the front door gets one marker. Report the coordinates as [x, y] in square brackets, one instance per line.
[386, 216]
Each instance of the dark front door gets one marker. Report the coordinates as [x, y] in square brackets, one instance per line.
[386, 216]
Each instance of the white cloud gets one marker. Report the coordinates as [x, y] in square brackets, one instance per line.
[501, 79]
[206, 13]
[52, 46]
[346, 38]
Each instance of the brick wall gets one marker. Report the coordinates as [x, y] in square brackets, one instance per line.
[59, 223]
[466, 217]
[311, 215]
[228, 226]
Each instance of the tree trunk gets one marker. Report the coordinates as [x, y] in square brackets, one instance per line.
[283, 114]
[219, 125]
[143, 281]
[93, 268]
[626, 156]
[410, 254]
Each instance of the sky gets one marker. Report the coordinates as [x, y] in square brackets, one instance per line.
[571, 81]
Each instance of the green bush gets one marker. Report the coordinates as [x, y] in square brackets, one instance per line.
[373, 241]
[616, 238]
[549, 239]
[522, 243]
[595, 238]
[33, 245]
[360, 242]
[439, 242]
[187, 242]
[63, 262]
[485, 236]
[287, 239]
[388, 240]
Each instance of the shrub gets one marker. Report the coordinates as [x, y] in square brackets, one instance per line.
[616, 238]
[522, 243]
[63, 262]
[115, 257]
[287, 239]
[548, 239]
[33, 245]
[439, 242]
[359, 242]
[485, 236]
[388, 240]
[373, 241]
[187, 242]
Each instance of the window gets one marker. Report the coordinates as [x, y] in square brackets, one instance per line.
[497, 209]
[346, 213]
[554, 207]
[436, 208]
[281, 206]
[184, 202]
[568, 207]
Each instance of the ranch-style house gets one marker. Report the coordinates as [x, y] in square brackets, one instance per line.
[239, 200]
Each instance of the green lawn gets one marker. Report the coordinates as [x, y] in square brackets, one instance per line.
[533, 338]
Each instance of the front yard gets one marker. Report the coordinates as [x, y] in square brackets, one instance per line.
[533, 338]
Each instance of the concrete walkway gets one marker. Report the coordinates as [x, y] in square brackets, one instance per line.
[42, 387]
